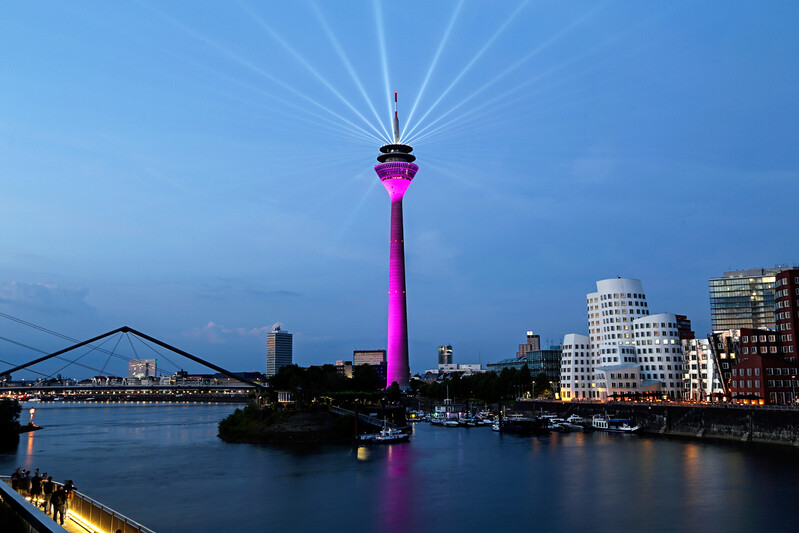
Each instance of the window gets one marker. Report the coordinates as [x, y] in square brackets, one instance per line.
[757, 371]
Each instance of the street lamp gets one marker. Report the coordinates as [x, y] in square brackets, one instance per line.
[31, 412]
[793, 389]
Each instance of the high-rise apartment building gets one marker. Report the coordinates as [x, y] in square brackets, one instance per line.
[279, 350]
[743, 299]
[627, 352]
[445, 355]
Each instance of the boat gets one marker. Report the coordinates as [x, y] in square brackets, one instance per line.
[495, 425]
[451, 423]
[437, 420]
[468, 422]
[573, 427]
[389, 435]
[613, 425]
[524, 425]
[575, 419]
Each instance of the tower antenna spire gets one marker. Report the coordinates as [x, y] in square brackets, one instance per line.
[396, 120]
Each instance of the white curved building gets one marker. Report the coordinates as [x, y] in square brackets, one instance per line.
[622, 335]
[659, 351]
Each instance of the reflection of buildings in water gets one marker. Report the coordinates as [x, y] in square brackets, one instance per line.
[395, 501]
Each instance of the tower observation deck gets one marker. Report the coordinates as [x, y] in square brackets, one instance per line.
[396, 171]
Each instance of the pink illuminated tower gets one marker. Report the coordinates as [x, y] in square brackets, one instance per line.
[396, 170]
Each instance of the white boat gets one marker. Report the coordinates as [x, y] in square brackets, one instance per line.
[451, 423]
[613, 425]
[495, 425]
[575, 419]
[389, 435]
[572, 427]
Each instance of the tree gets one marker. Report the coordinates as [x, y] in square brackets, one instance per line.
[9, 424]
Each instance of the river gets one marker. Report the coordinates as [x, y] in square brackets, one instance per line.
[162, 465]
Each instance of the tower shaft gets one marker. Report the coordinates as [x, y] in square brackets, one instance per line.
[398, 369]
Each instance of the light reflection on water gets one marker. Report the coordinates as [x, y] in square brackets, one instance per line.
[164, 466]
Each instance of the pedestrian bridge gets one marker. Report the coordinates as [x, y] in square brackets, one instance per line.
[17, 513]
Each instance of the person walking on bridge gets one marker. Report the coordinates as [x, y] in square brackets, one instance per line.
[59, 502]
[48, 488]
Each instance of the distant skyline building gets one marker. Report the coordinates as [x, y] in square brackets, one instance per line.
[743, 299]
[546, 361]
[396, 171]
[368, 357]
[533, 344]
[374, 358]
[279, 350]
[445, 355]
[142, 368]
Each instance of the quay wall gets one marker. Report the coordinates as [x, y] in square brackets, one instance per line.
[755, 424]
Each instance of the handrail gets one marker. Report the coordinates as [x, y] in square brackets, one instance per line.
[27, 512]
[94, 516]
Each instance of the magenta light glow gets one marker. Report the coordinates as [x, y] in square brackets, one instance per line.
[396, 170]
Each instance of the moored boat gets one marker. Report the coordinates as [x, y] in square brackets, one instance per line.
[613, 425]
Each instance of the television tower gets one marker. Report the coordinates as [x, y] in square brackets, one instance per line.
[396, 170]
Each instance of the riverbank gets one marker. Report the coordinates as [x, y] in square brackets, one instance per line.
[757, 425]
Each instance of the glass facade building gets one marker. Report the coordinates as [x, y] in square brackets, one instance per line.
[279, 350]
[445, 355]
[743, 299]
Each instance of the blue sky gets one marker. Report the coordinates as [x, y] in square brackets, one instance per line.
[202, 170]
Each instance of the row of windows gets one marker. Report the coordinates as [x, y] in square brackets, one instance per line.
[771, 338]
[781, 371]
[748, 383]
[772, 383]
[784, 281]
[763, 349]
[616, 295]
[785, 292]
[624, 303]
[748, 371]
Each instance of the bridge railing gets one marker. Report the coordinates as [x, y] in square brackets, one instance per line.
[90, 514]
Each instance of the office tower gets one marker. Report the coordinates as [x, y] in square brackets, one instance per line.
[445, 355]
[142, 368]
[533, 344]
[396, 171]
[743, 299]
[374, 358]
[279, 350]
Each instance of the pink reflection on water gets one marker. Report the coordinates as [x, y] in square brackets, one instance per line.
[394, 501]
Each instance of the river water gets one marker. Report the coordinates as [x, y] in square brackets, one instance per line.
[162, 465]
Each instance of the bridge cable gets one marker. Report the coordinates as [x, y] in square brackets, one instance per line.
[114, 349]
[41, 352]
[156, 352]
[81, 357]
[61, 335]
